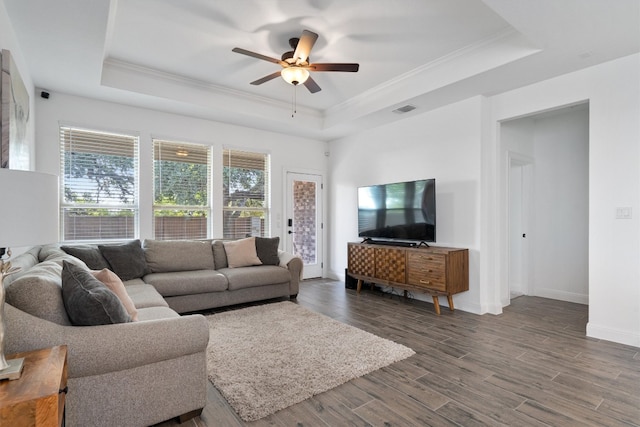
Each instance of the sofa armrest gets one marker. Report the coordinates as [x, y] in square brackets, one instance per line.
[294, 264]
[95, 350]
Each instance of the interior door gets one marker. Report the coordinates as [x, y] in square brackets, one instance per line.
[303, 224]
[519, 250]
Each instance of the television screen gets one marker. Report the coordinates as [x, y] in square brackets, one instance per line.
[398, 211]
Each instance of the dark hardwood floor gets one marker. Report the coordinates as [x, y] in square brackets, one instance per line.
[530, 366]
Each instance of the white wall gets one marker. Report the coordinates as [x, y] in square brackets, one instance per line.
[286, 151]
[9, 42]
[561, 207]
[443, 144]
[613, 92]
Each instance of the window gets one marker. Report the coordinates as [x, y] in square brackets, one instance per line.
[246, 194]
[181, 181]
[99, 199]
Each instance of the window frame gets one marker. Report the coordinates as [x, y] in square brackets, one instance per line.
[227, 162]
[207, 207]
[98, 141]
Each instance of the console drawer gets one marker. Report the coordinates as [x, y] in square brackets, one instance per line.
[426, 280]
[426, 270]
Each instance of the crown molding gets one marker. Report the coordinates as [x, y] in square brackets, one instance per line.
[434, 75]
[408, 78]
[124, 67]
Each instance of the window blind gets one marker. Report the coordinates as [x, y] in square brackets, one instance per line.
[245, 194]
[99, 188]
[182, 181]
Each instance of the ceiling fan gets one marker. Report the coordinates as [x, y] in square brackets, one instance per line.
[295, 63]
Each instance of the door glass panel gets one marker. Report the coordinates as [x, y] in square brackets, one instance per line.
[304, 220]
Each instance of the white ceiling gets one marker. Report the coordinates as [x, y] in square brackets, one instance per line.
[175, 55]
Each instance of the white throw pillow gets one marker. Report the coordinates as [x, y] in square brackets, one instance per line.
[242, 253]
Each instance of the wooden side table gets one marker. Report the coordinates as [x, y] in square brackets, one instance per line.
[37, 398]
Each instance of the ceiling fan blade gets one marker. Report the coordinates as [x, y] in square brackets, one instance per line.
[266, 78]
[259, 56]
[335, 67]
[306, 42]
[312, 85]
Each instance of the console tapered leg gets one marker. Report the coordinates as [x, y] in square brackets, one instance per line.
[436, 304]
[450, 299]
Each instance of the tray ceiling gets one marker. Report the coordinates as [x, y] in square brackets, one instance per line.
[176, 55]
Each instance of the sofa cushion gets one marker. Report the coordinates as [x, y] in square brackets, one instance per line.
[144, 295]
[54, 253]
[90, 254]
[23, 263]
[187, 282]
[156, 313]
[219, 255]
[39, 293]
[178, 255]
[242, 252]
[126, 260]
[113, 282]
[87, 300]
[249, 277]
[267, 250]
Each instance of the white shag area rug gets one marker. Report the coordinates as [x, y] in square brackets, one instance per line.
[266, 358]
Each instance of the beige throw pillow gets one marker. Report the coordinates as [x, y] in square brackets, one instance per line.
[242, 253]
[113, 282]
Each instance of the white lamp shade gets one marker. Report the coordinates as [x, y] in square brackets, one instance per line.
[29, 211]
[294, 75]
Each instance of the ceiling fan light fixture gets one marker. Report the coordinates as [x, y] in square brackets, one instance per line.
[294, 75]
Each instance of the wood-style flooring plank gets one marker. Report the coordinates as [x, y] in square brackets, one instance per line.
[400, 405]
[331, 410]
[464, 416]
[378, 414]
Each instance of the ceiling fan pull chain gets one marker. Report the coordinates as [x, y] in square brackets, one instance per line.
[294, 102]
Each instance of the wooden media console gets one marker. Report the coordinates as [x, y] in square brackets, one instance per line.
[433, 270]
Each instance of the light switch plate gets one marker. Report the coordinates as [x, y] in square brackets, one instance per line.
[623, 213]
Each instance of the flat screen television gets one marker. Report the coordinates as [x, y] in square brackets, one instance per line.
[401, 211]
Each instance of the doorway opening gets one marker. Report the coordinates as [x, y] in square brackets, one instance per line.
[546, 200]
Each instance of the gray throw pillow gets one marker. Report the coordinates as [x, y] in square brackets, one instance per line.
[126, 260]
[87, 300]
[219, 255]
[91, 256]
[267, 248]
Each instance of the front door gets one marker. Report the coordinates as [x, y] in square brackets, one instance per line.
[303, 224]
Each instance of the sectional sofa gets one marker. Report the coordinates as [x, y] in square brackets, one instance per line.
[142, 372]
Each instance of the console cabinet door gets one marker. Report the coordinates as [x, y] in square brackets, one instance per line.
[391, 265]
[361, 260]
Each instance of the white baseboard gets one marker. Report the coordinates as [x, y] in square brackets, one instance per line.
[330, 274]
[562, 295]
[615, 335]
[444, 303]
